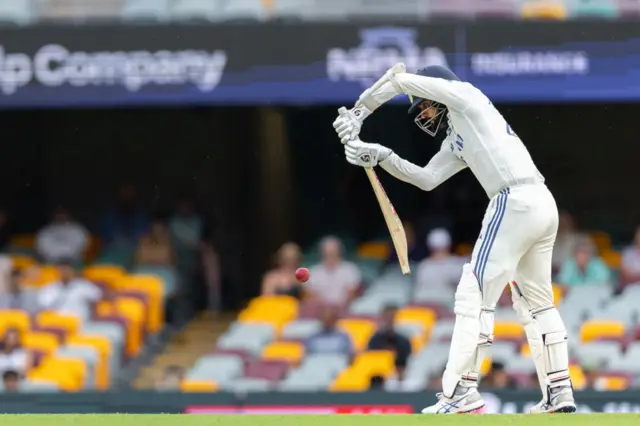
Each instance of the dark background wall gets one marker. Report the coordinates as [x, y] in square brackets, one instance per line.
[265, 175]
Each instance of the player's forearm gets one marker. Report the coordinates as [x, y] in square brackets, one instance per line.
[449, 93]
[406, 171]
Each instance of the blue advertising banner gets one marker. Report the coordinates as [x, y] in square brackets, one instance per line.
[310, 64]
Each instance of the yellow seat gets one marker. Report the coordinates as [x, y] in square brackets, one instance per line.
[593, 330]
[543, 9]
[292, 352]
[202, 386]
[558, 293]
[69, 323]
[351, 380]
[14, 318]
[104, 348]
[42, 342]
[359, 330]
[68, 373]
[22, 262]
[134, 311]
[425, 316]
[464, 249]
[508, 330]
[273, 310]
[151, 286]
[485, 367]
[108, 274]
[601, 240]
[417, 343]
[613, 383]
[375, 363]
[577, 376]
[374, 250]
[42, 276]
[525, 350]
[612, 258]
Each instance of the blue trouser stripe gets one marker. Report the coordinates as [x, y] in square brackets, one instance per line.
[490, 235]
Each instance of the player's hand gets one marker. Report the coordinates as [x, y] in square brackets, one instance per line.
[349, 123]
[365, 154]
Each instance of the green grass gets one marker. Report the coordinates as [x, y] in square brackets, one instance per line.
[320, 420]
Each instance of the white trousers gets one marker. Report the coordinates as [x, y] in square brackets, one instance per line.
[516, 243]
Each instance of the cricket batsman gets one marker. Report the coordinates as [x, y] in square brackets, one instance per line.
[517, 236]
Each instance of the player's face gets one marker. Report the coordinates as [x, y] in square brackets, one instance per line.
[427, 110]
[430, 116]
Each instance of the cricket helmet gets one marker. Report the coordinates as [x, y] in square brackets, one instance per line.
[436, 122]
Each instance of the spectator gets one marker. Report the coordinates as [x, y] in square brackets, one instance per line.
[334, 280]
[330, 340]
[437, 276]
[126, 221]
[281, 279]
[154, 247]
[386, 338]
[498, 378]
[565, 241]
[630, 265]
[12, 355]
[187, 226]
[16, 297]
[11, 381]
[416, 250]
[63, 238]
[6, 265]
[171, 379]
[70, 295]
[585, 268]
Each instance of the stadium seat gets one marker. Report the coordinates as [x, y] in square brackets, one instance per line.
[285, 303]
[42, 342]
[594, 330]
[602, 353]
[577, 376]
[152, 288]
[244, 9]
[508, 330]
[44, 275]
[375, 363]
[423, 316]
[244, 385]
[600, 239]
[613, 383]
[543, 9]
[69, 374]
[14, 319]
[324, 365]
[360, 331]
[379, 250]
[108, 274]
[414, 9]
[612, 258]
[196, 10]
[301, 329]
[292, 352]
[216, 368]
[88, 355]
[21, 261]
[504, 9]
[558, 294]
[104, 348]
[200, 386]
[146, 10]
[272, 370]
[69, 323]
[628, 8]
[459, 9]
[351, 380]
[251, 337]
[19, 12]
[134, 311]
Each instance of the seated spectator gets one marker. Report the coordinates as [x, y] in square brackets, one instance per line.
[630, 265]
[12, 355]
[387, 339]
[585, 268]
[11, 381]
[565, 240]
[171, 379]
[125, 222]
[330, 340]
[498, 378]
[70, 295]
[15, 297]
[187, 226]
[437, 276]
[62, 239]
[416, 250]
[334, 280]
[155, 247]
[281, 279]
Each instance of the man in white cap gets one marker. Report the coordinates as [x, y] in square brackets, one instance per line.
[438, 275]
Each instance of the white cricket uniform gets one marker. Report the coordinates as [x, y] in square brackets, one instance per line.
[518, 230]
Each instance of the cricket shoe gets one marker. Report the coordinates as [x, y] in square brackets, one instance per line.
[560, 401]
[464, 401]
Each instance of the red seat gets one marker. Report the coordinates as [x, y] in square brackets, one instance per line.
[269, 370]
[247, 358]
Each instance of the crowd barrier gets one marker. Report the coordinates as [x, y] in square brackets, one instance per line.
[508, 401]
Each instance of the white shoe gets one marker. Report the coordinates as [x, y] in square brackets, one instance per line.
[468, 402]
[561, 402]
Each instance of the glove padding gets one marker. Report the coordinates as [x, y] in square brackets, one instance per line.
[365, 154]
[349, 123]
